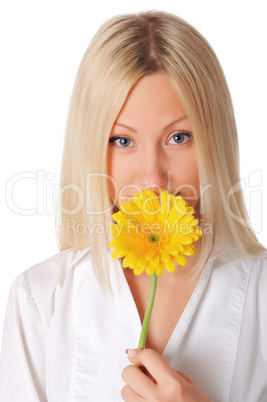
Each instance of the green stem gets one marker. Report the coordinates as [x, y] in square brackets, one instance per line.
[150, 302]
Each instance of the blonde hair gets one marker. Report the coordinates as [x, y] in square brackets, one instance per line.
[125, 49]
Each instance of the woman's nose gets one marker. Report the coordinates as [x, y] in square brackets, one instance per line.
[152, 169]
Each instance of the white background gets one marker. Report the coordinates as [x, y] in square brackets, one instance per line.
[42, 43]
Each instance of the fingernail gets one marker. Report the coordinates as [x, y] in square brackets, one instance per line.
[131, 352]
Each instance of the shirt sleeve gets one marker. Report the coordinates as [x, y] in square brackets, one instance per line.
[22, 363]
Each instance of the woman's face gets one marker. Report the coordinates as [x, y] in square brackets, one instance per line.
[151, 144]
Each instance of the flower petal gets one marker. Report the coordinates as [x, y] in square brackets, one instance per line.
[189, 250]
[170, 266]
[118, 253]
[164, 257]
[150, 270]
[180, 259]
[138, 271]
[155, 260]
[129, 261]
[150, 254]
[159, 269]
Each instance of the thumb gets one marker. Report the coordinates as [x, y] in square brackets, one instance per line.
[134, 356]
[146, 357]
[151, 361]
[141, 358]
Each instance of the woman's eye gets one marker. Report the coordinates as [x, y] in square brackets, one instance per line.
[122, 142]
[180, 138]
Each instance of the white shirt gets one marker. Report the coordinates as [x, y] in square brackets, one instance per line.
[64, 340]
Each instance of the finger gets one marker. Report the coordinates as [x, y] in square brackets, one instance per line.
[153, 362]
[129, 395]
[138, 381]
[186, 377]
[147, 373]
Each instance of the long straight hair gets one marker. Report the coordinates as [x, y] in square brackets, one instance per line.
[124, 49]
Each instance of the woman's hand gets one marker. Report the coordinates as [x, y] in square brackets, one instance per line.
[152, 379]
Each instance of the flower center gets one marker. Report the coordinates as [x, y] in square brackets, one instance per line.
[154, 237]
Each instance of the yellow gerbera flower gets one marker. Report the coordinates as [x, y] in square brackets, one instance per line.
[152, 233]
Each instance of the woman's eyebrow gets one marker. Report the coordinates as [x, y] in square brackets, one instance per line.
[175, 122]
[166, 127]
[125, 126]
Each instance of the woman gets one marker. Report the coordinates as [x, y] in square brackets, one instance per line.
[150, 109]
